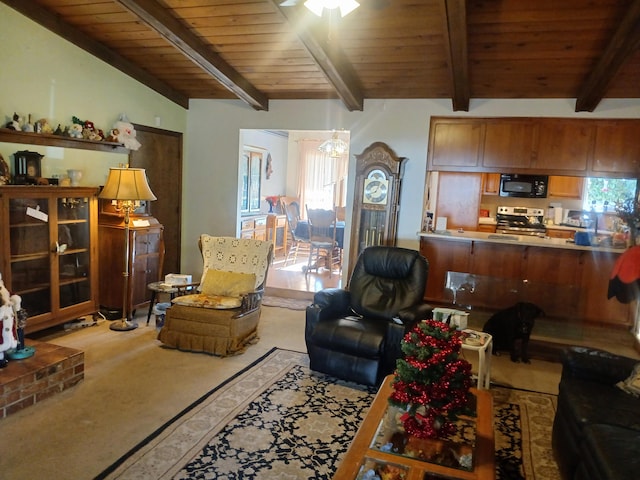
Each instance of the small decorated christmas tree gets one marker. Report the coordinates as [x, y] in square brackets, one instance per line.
[432, 383]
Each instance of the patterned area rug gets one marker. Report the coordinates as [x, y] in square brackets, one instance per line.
[279, 420]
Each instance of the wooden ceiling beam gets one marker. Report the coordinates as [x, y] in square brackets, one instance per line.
[70, 33]
[329, 57]
[455, 27]
[624, 42]
[159, 19]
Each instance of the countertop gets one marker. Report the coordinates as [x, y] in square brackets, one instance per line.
[524, 240]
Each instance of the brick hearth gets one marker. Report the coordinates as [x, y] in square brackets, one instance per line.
[51, 370]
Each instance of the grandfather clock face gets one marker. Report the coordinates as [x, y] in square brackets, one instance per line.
[376, 188]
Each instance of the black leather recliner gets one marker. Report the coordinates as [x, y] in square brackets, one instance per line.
[355, 333]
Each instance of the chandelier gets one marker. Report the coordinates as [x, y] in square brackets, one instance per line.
[345, 6]
[334, 147]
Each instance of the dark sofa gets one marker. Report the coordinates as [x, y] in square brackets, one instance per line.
[596, 430]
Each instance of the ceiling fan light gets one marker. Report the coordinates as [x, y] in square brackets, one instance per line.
[346, 6]
[315, 6]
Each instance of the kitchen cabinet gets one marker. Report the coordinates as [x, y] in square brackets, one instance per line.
[564, 144]
[560, 233]
[459, 199]
[508, 144]
[49, 240]
[443, 256]
[146, 257]
[569, 284]
[597, 309]
[491, 184]
[551, 278]
[455, 143]
[488, 228]
[536, 145]
[254, 227]
[617, 148]
[566, 187]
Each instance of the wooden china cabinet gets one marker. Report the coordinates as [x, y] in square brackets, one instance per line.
[146, 257]
[49, 239]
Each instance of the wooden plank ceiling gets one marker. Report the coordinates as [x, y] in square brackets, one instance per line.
[259, 50]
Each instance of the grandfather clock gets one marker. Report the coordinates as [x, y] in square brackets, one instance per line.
[376, 200]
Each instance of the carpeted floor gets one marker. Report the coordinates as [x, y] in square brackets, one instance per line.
[278, 419]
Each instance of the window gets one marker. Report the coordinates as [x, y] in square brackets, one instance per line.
[602, 194]
[250, 169]
[322, 177]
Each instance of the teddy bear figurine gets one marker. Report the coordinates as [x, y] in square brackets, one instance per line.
[126, 133]
[8, 338]
[75, 130]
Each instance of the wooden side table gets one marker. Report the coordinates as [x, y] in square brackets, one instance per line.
[362, 450]
[172, 290]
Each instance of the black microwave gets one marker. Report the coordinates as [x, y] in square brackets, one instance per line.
[523, 186]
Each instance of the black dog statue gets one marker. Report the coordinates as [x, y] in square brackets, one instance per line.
[511, 329]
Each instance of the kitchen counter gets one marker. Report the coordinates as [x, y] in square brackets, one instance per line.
[525, 240]
[568, 281]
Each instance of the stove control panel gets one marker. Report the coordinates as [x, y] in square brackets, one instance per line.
[524, 211]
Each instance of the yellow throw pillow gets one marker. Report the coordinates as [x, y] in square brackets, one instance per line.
[228, 284]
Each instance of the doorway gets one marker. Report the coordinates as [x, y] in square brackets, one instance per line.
[294, 166]
[161, 157]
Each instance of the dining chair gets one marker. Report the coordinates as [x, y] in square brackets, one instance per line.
[298, 232]
[324, 249]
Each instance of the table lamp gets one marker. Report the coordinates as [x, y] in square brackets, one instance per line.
[127, 186]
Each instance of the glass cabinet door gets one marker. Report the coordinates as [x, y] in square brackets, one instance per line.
[73, 250]
[30, 256]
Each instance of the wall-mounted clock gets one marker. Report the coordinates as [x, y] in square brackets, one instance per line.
[377, 195]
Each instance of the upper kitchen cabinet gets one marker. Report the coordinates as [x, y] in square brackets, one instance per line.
[508, 144]
[564, 145]
[536, 145]
[566, 187]
[617, 147]
[455, 143]
[490, 183]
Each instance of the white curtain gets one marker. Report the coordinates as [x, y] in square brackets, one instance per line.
[319, 176]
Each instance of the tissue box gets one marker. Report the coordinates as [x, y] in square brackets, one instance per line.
[455, 318]
[177, 279]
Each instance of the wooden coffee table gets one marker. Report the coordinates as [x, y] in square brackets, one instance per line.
[362, 449]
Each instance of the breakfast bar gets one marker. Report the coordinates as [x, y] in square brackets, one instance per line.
[491, 271]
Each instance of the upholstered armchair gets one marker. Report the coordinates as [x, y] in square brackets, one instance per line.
[355, 333]
[222, 318]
